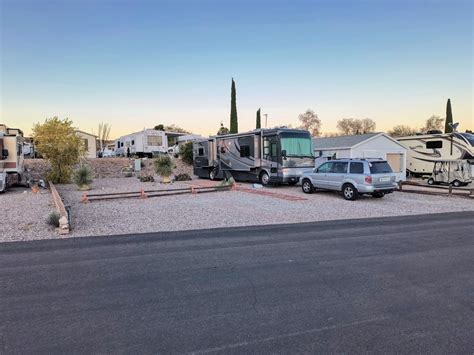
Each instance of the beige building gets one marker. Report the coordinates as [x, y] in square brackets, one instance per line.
[89, 142]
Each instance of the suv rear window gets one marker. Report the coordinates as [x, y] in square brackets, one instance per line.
[357, 168]
[380, 167]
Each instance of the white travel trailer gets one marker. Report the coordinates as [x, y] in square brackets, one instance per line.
[11, 157]
[146, 143]
[424, 150]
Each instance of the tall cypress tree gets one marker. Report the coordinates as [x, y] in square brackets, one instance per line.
[449, 118]
[234, 127]
[258, 125]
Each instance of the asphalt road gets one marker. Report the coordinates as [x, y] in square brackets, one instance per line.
[386, 285]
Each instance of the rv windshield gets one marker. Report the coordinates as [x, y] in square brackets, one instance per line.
[297, 145]
[469, 137]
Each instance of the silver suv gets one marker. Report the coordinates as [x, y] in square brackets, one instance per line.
[352, 177]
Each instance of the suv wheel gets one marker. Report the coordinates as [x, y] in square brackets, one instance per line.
[307, 186]
[350, 192]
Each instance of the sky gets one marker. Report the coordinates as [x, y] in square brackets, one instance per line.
[136, 64]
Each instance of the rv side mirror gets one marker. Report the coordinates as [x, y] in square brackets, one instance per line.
[283, 153]
[4, 154]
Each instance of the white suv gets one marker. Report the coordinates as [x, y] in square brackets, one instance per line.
[352, 177]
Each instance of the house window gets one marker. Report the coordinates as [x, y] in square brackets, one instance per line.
[434, 145]
[154, 141]
[85, 144]
[118, 144]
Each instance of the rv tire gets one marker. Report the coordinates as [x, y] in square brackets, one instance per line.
[213, 173]
[264, 178]
[431, 181]
[456, 183]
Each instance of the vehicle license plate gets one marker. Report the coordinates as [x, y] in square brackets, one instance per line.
[384, 179]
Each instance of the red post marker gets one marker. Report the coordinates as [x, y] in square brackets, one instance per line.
[84, 198]
[143, 194]
[193, 190]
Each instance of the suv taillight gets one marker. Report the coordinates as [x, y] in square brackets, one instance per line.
[368, 179]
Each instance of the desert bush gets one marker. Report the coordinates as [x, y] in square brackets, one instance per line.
[53, 219]
[146, 178]
[164, 166]
[227, 182]
[186, 153]
[182, 177]
[83, 176]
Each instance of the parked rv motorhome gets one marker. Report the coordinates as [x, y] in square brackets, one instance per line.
[146, 143]
[11, 157]
[424, 150]
[271, 156]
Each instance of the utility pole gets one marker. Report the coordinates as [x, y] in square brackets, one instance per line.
[266, 119]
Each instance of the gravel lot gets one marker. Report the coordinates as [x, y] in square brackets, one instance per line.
[26, 218]
[232, 208]
[24, 215]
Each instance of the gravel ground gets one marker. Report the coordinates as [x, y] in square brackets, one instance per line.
[24, 215]
[26, 219]
[232, 208]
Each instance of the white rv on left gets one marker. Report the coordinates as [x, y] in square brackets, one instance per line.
[11, 157]
[146, 143]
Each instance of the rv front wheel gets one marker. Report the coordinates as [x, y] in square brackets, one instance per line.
[431, 181]
[264, 178]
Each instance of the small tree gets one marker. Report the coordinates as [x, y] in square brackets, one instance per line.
[234, 126]
[310, 122]
[164, 167]
[58, 143]
[159, 127]
[449, 118]
[186, 153]
[174, 128]
[258, 120]
[401, 131]
[434, 123]
[350, 126]
[104, 131]
[83, 177]
[222, 130]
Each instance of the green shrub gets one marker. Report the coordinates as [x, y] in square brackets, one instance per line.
[164, 166]
[227, 182]
[186, 153]
[83, 176]
[182, 177]
[146, 178]
[53, 219]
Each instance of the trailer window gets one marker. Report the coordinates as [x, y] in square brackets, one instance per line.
[133, 142]
[154, 141]
[434, 145]
[201, 152]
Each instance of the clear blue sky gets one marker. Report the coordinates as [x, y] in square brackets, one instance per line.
[135, 64]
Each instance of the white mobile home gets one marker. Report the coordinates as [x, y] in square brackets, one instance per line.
[146, 143]
[371, 145]
[89, 143]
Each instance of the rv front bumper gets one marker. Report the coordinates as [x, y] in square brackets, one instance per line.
[293, 175]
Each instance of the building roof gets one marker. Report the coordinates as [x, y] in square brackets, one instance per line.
[85, 133]
[342, 141]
